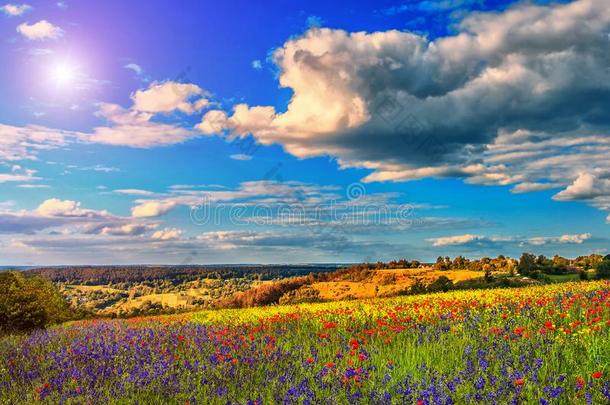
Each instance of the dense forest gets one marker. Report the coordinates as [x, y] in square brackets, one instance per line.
[105, 275]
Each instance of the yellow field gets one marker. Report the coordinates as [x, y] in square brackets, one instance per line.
[183, 299]
[89, 288]
[387, 282]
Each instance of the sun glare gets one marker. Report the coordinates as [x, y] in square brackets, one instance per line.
[63, 74]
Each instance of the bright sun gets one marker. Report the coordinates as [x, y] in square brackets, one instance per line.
[62, 74]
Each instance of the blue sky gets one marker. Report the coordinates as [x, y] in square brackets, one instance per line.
[144, 132]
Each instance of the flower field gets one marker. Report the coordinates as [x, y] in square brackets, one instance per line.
[547, 344]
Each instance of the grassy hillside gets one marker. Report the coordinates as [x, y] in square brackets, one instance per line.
[154, 296]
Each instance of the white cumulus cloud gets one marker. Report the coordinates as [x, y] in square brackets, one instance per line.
[152, 208]
[167, 234]
[15, 10]
[55, 207]
[169, 96]
[40, 30]
[455, 240]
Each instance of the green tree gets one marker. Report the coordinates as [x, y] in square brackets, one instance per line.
[603, 269]
[527, 264]
[559, 261]
[440, 264]
[459, 263]
[542, 260]
[28, 303]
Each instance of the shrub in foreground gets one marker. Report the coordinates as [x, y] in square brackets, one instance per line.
[28, 303]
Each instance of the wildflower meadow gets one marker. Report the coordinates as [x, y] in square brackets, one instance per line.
[535, 345]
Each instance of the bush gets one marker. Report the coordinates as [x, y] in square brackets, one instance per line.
[479, 283]
[418, 287]
[540, 276]
[440, 284]
[603, 269]
[28, 303]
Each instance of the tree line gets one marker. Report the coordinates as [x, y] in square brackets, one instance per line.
[105, 275]
[534, 266]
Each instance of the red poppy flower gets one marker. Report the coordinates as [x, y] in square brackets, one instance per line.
[519, 381]
[310, 360]
[597, 374]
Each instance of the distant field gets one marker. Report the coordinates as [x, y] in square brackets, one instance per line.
[107, 300]
[89, 288]
[182, 299]
[135, 297]
[172, 300]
